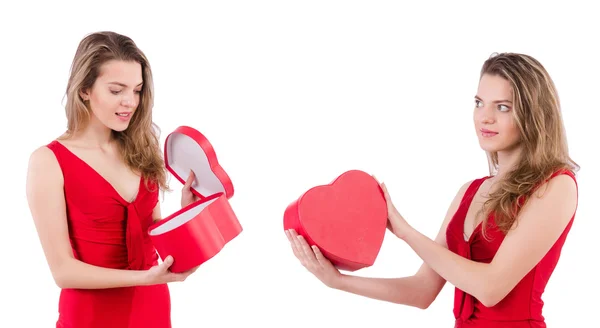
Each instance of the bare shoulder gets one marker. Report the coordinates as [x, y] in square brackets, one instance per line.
[463, 188]
[561, 184]
[460, 193]
[548, 210]
[43, 168]
[458, 196]
[41, 155]
[559, 191]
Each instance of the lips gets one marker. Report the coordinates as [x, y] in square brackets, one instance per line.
[488, 133]
[123, 114]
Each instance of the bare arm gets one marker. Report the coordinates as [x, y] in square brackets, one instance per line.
[418, 290]
[46, 200]
[540, 223]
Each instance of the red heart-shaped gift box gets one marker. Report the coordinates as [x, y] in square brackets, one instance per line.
[346, 219]
[197, 232]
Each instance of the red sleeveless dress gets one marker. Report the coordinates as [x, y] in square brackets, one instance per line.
[106, 230]
[522, 307]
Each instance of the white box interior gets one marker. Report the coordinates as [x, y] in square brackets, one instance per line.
[180, 219]
[183, 154]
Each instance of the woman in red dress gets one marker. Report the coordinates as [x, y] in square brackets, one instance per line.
[93, 192]
[503, 234]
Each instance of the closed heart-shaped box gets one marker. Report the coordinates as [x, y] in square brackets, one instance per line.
[199, 231]
[346, 219]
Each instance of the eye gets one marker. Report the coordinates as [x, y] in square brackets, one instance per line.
[115, 92]
[478, 103]
[503, 108]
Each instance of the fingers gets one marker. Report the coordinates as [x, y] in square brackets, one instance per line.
[308, 256]
[319, 256]
[385, 192]
[390, 226]
[298, 248]
[288, 234]
[381, 184]
[184, 275]
[302, 250]
[383, 188]
[374, 177]
[308, 253]
[161, 274]
[190, 271]
[190, 180]
[178, 277]
[291, 235]
[166, 263]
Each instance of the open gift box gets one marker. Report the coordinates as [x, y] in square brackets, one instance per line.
[197, 232]
[346, 219]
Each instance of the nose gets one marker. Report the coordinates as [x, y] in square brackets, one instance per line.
[486, 115]
[128, 100]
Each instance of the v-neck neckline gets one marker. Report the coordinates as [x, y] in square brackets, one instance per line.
[465, 210]
[114, 190]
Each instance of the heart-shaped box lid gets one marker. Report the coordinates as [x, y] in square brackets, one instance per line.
[187, 149]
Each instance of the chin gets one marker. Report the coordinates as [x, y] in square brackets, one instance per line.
[491, 147]
[119, 127]
[495, 147]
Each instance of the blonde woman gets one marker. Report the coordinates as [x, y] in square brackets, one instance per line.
[93, 192]
[503, 234]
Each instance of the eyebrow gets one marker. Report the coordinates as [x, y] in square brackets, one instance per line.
[496, 101]
[123, 85]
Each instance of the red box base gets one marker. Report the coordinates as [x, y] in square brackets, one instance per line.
[346, 219]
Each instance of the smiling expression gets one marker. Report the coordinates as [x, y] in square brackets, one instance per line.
[115, 95]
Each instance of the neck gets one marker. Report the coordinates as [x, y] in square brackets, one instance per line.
[95, 135]
[507, 159]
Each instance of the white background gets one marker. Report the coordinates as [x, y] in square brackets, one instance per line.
[291, 94]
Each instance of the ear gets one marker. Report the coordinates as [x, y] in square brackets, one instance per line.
[84, 94]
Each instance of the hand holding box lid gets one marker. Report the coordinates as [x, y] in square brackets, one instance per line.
[346, 219]
[197, 232]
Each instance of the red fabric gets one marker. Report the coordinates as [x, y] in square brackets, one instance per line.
[522, 307]
[108, 231]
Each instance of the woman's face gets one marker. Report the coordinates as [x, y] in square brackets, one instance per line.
[495, 124]
[115, 95]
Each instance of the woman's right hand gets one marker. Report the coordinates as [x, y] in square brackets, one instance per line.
[160, 273]
[313, 260]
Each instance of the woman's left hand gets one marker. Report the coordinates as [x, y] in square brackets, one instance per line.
[396, 223]
[313, 260]
[187, 196]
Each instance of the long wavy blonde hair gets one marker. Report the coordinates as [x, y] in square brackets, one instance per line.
[139, 144]
[544, 150]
